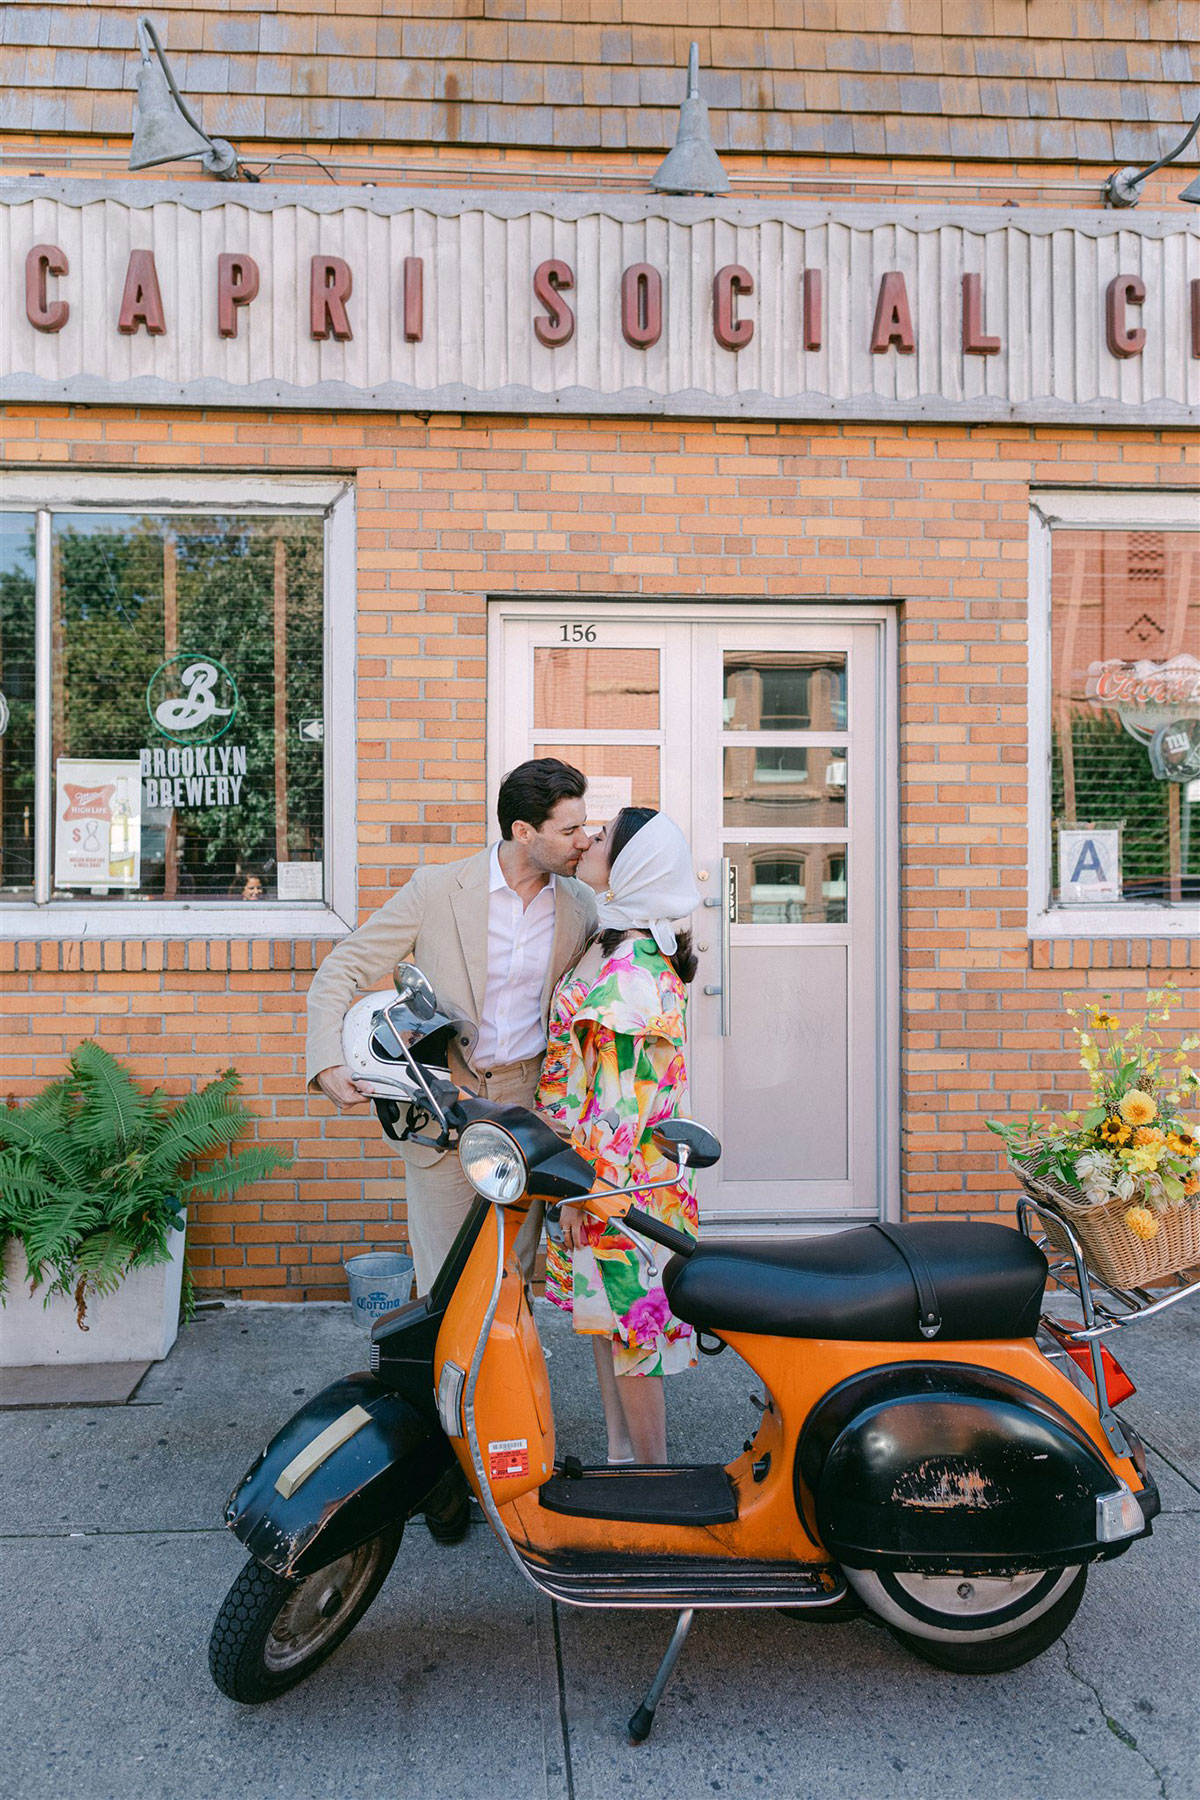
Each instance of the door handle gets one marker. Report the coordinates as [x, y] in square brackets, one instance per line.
[725, 901]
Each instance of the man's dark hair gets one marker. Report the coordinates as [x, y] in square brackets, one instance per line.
[532, 790]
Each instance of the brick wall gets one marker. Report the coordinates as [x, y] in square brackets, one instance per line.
[454, 509]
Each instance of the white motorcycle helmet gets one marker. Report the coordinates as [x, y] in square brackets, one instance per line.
[373, 1032]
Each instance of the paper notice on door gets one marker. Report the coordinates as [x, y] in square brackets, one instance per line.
[299, 880]
[508, 1457]
[606, 795]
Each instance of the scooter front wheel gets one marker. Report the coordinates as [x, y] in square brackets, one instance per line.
[271, 1632]
[976, 1625]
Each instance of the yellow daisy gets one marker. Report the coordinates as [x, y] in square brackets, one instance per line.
[1104, 1021]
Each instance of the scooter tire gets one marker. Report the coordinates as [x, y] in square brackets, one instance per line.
[251, 1660]
[994, 1656]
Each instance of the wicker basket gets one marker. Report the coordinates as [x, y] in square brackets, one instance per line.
[1114, 1252]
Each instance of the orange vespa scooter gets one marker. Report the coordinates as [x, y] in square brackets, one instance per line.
[918, 1456]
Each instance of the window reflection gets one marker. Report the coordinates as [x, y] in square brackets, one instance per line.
[595, 689]
[784, 785]
[1125, 724]
[16, 700]
[188, 706]
[618, 775]
[790, 884]
[785, 690]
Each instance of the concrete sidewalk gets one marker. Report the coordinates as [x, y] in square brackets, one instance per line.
[462, 1682]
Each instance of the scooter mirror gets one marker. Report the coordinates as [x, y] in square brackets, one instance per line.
[415, 990]
[701, 1147]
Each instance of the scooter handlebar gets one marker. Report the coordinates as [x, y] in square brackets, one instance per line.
[666, 1235]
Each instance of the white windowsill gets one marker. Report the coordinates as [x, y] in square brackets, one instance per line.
[179, 920]
[1116, 922]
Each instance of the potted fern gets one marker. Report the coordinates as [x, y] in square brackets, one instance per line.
[96, 1174]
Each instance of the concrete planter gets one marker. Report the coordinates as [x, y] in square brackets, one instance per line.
[138, 1323]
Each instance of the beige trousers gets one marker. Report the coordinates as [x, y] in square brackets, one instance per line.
[440, 1196]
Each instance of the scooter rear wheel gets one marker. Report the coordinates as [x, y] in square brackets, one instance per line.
[984, 1633]
[271, 1632]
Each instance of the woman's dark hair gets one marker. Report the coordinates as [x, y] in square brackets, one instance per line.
[532, 790]
[627, 824]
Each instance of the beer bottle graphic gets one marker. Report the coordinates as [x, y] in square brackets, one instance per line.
[120, 838]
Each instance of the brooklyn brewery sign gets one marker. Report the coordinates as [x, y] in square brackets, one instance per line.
[425, 300]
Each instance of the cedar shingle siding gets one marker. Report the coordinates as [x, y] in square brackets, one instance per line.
[1051, 80]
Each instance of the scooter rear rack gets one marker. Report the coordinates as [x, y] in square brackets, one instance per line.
[1106, 1308]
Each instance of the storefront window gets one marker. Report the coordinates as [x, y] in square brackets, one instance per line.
[187, 706]
[16, 701]
[1125, 726]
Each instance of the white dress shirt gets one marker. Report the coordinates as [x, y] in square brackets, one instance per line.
[520, 942]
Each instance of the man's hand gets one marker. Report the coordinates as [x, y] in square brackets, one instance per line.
[339, 1085]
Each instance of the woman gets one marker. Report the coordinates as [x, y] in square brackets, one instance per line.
[614, 1071]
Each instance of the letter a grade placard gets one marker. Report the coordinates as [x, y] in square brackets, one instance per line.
[1089, 865]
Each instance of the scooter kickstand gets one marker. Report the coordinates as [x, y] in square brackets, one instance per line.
[643, 1719]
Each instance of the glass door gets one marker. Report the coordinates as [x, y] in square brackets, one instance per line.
[785, 825]
[764, 736]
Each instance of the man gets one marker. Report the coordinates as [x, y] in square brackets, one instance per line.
[493, 934]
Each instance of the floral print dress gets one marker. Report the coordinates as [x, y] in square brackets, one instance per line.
[614, 1070]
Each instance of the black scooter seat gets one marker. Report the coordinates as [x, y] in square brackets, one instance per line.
[856, 1285]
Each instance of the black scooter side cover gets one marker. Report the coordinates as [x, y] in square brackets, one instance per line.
[379, 1476]
[941, 1466]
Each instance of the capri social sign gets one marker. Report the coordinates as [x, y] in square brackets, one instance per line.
[430, 300]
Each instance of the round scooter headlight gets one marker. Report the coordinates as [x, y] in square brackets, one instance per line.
[492, 1162]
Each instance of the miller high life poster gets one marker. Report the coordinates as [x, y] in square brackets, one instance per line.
[97, 823]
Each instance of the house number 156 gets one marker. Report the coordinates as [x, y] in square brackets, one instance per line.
[577, 633]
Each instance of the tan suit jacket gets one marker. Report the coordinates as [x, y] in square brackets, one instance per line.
[439, 921]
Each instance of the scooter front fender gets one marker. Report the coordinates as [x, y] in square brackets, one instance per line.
[302, 1505]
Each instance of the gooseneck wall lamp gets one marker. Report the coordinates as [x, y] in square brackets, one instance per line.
[693, 166]
[164, 129]
[1125, 187]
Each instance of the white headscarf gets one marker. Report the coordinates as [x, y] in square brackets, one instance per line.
[650, 884]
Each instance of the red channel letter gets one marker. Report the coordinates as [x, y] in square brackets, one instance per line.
[641, 305]
[414, 299]
[731, 332]
[974, 342]
[813, 301]
[44, 314]
[549, 279]
[1124, 291]
[893, 318]
[330, 286]
[237, 285]
[141, 302]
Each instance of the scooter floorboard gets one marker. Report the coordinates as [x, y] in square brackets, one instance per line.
[699, 1494]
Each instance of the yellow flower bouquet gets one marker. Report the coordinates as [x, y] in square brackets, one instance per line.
[1126, 1169]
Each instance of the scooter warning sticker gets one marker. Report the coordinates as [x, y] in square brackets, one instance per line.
[508, 1456]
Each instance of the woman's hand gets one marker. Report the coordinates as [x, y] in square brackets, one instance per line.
[570, 1220]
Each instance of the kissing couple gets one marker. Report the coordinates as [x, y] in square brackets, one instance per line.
[562, 953]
